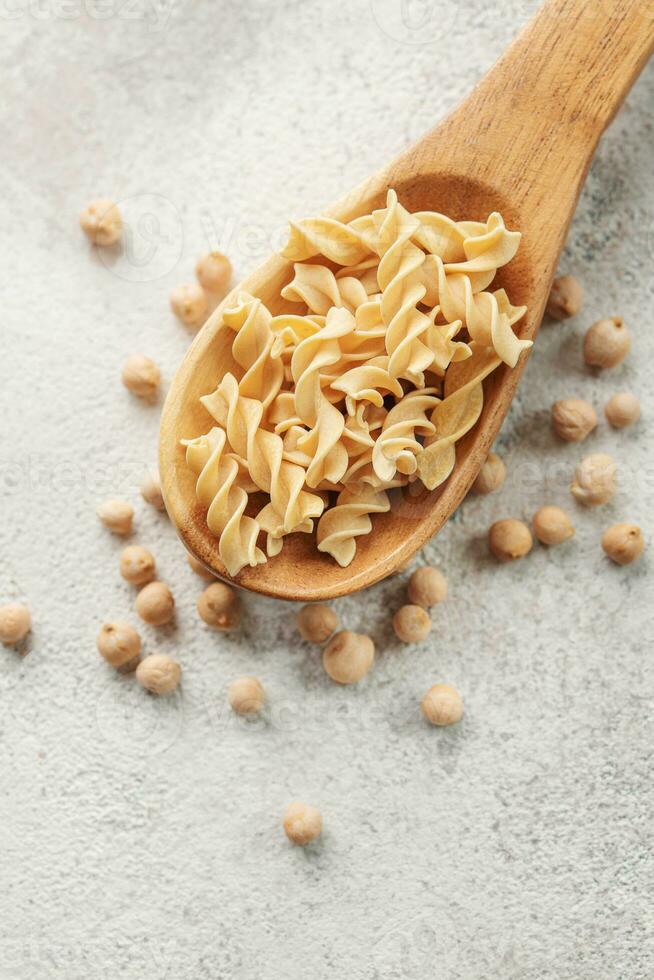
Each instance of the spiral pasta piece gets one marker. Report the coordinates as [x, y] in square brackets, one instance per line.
[218, 489]
[253, 349]
[318, 287]
[455, 415]
[339, 242]
[340, 526]
[397, 446]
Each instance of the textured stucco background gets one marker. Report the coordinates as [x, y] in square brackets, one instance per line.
[141, 839]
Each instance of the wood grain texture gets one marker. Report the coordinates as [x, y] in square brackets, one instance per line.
[520, 144]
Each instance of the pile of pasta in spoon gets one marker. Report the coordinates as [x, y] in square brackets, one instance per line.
[366, 387]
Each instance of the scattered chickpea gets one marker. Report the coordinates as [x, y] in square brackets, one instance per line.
[348, 657]
[412, 624]
[573, 419]
[594, 480]
[137, 565]
[101, 222]
[155, 604]
[427, 587]
[302, 823]
[491, 476]
[15, 623]
[607, 343]
[622, 410]
[551, 525]
[189, 304]
[120, 645]
[117, 515]
[214, 272]
[159, 674]
[141, 376]
[246, 696]
[442, 705]
[151, 491]
[316, 622]
[220, 607]
[510, 539]
[623, 543]
[199, 568]
[566, 298]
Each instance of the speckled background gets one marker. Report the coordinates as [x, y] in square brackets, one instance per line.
[141, 839]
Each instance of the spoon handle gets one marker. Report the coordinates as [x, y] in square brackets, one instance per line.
[540, 111]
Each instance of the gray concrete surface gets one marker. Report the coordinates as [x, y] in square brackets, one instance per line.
[141, 839]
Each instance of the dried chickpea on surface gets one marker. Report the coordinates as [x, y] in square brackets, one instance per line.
[159, 674]
[622, 410]
[220, 607]
[246, 696]
[117, 516]
[316, 622]
[137, 565]
[427, 587]
[101, 222]
[15, 623]
[510, 539]
[412, 624]
[348, 657]
[214, 273]
[189, 304]
[623, 543]
[607, 343]
[566, 298]
[573, 419]
[141, 376]
[155, 604]
[491, 476]
[120, 645]
[151, 491]
[551, 525]
[302, 823]
[594, 480]
[442, 705]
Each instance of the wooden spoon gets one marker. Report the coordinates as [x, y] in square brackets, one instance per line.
[520, 144]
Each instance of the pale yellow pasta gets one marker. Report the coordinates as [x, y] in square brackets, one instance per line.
[366, 387]
[340, 526]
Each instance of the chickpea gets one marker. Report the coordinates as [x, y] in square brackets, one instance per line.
[348, 657]
[117, 516]
[551, 525]
[622, 410]
[199, 568]
[159, 674]
[412, 624]
[316, 622]
[137, 565]
[607, 343]
[151, 491]
[566, 298]
[101, 222]
[491, 476]
[510, 539]
[189, 304]
[302, 823]
[427, 587]
[246, 696]
[573, 419]
[220, 607]
[442, 705]
[15, 623]
[155, 604]
[623, 543]
[120, 645]
[214, 272]
[141, 376]
[594, 480]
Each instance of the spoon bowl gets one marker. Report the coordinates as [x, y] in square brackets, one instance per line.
[521, 144]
